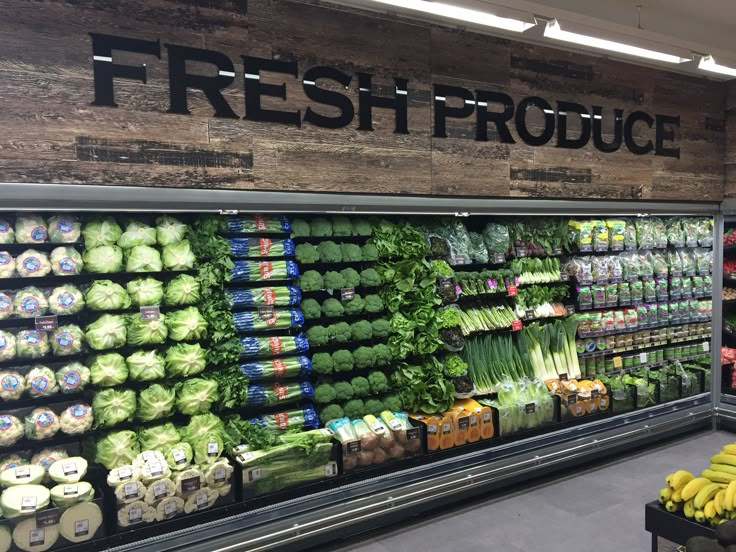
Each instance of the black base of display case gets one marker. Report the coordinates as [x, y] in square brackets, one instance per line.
[672, 527]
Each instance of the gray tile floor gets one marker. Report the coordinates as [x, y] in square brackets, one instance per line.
[599, 508]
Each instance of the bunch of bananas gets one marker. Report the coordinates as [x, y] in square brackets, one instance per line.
[709, 498]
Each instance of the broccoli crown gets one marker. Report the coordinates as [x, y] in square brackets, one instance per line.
[332, 307]
[343, 391]
[351, 276]
[317, 335]
[299, 228]
[364, 357]
[374, 406]
[332, 412]
[373, 303]
[370, 277]
[341, 226]
[383, 354]
[311, 309]
[361, 330]
[329, 252]
[333, 280]
[378, 381]
[320, 227]
[311, 280]
[354, 409]
[392, 403]
[339, 332]
[369, 252]
[322, 363]
[361, 387]
[362, 227]
[306, 253]
[355, 305]
[351, 252]
[342, 360]
[381, 327]
[324, 394]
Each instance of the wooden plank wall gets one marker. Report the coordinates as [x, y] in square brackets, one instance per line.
[51, 133]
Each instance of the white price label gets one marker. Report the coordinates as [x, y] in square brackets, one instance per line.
[431, 429]
[254, 474]
[125, 473]
[245, 457]
[179, 456]
[135, 515]
[170, 509]
[642, 358]
[70, 490]
[22, 473]
[28, 503]
[395, 424]
[213, 449]
[377, 428]
[156, 468]
[331, 469]
[220, 474]
[37, 537]
[446, 428]
[159, 490]
[486, 416]
[201, 500]
[706, 346]
[81, 527]
[130, 490]
[148, 455]
[69, 468]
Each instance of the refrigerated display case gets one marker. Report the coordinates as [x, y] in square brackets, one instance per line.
[636, 385]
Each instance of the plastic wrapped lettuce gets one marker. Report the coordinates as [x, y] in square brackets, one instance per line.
[64, 229]
[137, 233]
[117, 449]
[104, 259]
[196, 396]
[109, 331]
[146, 366]
[67, 340]
[105, 295]
[72, 377]
[32, 264]
[178, 256]
[186, 325]
[66, 299]
[182, 291]
[113, 407]
[143, 258]
[7, 265]
[41, 382]
[7, 233]
[146, 292]
[30, 302]
[8, 349]
[101, 231]
[32, 344]
[66, 261]
[76, 419]
[170, 230]
[42, 423]
[155, 402]
[282, 296]
[159, 437]
[179, 456]
[30, 229]
[185, 359]
[12, 385]
[6, 306]
[11, 430]
[108, 370]
[146, 332]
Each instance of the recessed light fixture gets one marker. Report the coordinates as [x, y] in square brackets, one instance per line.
[554, 31]
[708, 63]
[459, 13]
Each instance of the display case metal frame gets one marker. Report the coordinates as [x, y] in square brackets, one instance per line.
[724, 405]
[346, 510]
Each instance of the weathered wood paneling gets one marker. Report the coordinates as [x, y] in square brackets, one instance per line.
[51, 133]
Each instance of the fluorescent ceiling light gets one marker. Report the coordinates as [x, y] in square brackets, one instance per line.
[707, 63]
[554, 31]
[462, 14]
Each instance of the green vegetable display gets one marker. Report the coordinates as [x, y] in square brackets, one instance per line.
[146, 366]
[109, 331]
[145, 291]
[185, 359]
[103, 259]
[196, 396]
[155, 402]
[146, 332]
[113, 406]
[108, 370]
[105, 295]
[186, 325]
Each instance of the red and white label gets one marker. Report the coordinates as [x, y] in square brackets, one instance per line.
[269, 296]
[276, 345]
[282, 420]
[266, 271]
[261, 223]
[279, 368]
[516, 325]
[265, 245]
[513, 290]
[280, 390]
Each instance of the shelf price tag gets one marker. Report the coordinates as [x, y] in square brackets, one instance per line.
[353, 447]
[529, 314]
[570, 309]
[521, 252]
[516, 325]
[499, 258]
[513, 290]
[618, 362]
[564, 276]
[642, 358]
[151, 313]
[347, 294]
[706, 346]
[265, 312]
[46, 518]
[563, 377]
[47, 323]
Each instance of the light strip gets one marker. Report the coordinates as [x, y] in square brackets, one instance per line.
[707, 63]
[554, 31]
[462, 14]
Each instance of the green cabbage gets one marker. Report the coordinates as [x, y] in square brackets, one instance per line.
[170, 230]
[179, 456]
[196, 396]
[146, 332]
[32, 264]
[30, 229]
[107, 332]
[66, 261]
[183, 290]
[105, 295]
[200, 424]
[159, 437]
[146, 366]
[155, 402]
[67, 340]
[73, 377]
[143, 258]
[7, 346]
[137, 233]
[113, 406]
[66, 300]
[103, 259]
[102, 231]
[117, 449]
[7, 233]
[178, 256]
[186, 325]
[64, 229]
[207, 448]
[108, 370]
[32, 344]
[30, 302]
[146, 292]
[184, 359]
